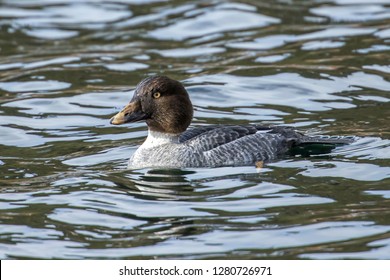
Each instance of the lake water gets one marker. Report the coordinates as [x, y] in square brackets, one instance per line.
[67, 66]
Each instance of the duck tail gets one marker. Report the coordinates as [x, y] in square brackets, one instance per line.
[326, 139]
[319, 144]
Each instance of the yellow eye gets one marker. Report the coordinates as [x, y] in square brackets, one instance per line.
[156, 94]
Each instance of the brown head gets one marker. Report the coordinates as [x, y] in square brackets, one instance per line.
[160, 101]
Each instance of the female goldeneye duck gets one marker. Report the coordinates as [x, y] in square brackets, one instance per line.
[165, 106]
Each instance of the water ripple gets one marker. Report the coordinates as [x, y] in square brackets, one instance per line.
[212, 21]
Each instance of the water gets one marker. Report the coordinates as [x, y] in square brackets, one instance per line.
[67, 66]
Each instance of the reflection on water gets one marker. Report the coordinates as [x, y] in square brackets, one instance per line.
[67, 66]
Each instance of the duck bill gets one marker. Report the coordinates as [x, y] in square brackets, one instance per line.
[131, 113]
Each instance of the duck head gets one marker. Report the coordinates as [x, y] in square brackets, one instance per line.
[161, 102]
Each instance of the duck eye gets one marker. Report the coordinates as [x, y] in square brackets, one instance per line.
[156, 94]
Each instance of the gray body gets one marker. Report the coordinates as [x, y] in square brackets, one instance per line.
[216, 146]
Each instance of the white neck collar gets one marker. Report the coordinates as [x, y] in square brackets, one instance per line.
[160, 138]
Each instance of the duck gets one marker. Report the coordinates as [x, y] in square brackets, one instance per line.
[165, 105]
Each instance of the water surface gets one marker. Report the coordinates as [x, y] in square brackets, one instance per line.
[67, 66]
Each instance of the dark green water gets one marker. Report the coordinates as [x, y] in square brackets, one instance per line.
[67, 66]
